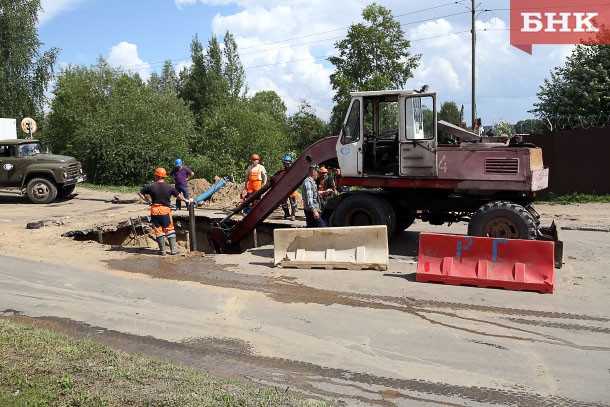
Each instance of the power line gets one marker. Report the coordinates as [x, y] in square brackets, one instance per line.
[161, 63]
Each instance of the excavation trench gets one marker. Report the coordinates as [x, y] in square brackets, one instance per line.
[138, 233]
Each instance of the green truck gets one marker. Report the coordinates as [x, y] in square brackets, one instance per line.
[27, 165]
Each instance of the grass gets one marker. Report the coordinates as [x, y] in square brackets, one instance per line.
[576, 198]
[111, 188]
[39, 367]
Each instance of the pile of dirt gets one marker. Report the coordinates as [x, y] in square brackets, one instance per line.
[228, 197]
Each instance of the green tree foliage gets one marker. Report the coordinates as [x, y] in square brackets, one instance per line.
[578, 92]
[306, 128]
[215, 78]
[449, 112]
[167, 81]
[111, 121]
[503, 127]
[24, 71]
[234, 134]
[374, 55]
[530, 126]
[79, 92]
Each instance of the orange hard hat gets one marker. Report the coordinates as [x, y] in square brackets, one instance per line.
[323, 170]
[255, 157]
[160, 172]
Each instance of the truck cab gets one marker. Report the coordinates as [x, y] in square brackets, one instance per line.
[27, 164]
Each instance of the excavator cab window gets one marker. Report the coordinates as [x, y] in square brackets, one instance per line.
[351, 128]
[419, 118]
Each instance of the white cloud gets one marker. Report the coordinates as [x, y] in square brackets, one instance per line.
[125, 56]
[52, 8]
[181, 3]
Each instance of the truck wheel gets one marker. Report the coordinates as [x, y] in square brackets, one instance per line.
[365, 210]
[41, 190]
[502, 219]
[65, 192]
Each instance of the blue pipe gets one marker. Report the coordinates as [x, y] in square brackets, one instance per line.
[207, 194]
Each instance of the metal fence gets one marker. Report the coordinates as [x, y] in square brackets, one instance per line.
[579, 160]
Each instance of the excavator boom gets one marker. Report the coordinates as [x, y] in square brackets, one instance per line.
[226, 234]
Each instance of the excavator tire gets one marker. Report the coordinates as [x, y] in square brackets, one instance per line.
[364, 209]
[502, 219]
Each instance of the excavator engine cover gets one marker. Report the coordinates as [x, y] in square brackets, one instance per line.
[513, 264]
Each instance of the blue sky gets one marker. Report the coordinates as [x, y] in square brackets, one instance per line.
[283, 45]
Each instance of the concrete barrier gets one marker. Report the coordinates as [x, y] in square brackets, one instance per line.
[353, 248]
[512, 264]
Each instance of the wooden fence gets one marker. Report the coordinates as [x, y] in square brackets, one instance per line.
[579, 160]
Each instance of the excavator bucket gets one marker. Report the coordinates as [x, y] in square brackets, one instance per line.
[354, 247]
[512, 264]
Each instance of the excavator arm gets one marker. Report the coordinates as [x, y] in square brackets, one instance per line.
[226, 234]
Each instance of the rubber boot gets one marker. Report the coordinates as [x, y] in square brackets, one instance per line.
[161, 243]
[286, 212]
[173, 246]
[293, 214]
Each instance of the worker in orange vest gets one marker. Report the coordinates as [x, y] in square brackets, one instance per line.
[256, 177]
[158, 195]
[292, 198]
[326, 187]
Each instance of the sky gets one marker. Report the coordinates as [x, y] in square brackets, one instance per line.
[284, 45]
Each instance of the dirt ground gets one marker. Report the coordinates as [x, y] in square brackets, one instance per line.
[356, 337]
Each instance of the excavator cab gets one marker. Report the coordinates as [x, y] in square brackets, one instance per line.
[389, 134]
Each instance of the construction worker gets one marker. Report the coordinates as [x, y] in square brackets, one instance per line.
[181, 175]
[292, 198]
[311, 200]
[326, 186]
[256, 177]
[159, 194]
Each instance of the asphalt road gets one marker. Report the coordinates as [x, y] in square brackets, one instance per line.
[355, 337]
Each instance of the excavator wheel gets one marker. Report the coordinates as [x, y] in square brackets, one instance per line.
[364, 210]
[503, 219]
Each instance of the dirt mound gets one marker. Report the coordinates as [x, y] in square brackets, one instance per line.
[227, 197]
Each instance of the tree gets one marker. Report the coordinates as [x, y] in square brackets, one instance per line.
[24, 72]
[577, 93]
[233, 69]
[450, 113]
[236, 132]
[111, 122]
[79, 92]
[269, 102]
[306, 127]
[167, 81]
[215, 78]
[503, 127]
[374, 55]
[530, 126]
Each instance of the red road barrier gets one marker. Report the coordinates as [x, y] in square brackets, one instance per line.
[513, 264]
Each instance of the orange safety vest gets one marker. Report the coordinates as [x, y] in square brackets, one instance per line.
[255, 179]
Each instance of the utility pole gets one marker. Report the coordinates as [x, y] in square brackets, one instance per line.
[474, 47]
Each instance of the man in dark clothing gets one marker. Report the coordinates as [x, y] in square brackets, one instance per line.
[159, 194]
[181, 174]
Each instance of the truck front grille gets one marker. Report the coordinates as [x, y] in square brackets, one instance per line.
[502, 165]
[73, 171]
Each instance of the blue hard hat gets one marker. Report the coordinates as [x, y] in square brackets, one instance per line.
[178, 161]
[287, 159]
